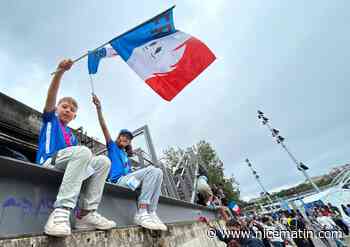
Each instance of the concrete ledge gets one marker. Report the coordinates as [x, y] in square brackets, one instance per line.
[184, 234]
[33, 173]
[28, 192]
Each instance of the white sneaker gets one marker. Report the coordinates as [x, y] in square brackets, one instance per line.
[92, 221]
[161, 225]
[145, 220]
[58, 224]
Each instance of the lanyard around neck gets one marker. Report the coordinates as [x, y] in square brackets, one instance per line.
[66, 135]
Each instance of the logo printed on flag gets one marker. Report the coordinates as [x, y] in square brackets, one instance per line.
[165, 58]
[94, 58]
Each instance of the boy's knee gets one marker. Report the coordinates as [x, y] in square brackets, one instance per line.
[104, 161]
[157, 171]
[83, 152]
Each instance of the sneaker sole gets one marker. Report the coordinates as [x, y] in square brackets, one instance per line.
[84, 228]
[57, 234]
[163, 229]
[147, 227]
[107, 228]
[90, 228]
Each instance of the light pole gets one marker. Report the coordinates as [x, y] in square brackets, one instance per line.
[280, 140]
[257, 177]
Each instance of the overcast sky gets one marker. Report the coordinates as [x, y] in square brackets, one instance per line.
[288, 58]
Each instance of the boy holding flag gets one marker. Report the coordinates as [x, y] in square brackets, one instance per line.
[149, 179]
[58, 147]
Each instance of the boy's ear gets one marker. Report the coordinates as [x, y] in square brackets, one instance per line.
[75, 115]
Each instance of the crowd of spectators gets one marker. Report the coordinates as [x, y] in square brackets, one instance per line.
[286, 228]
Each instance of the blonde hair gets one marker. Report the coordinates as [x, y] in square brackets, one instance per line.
[69, 100]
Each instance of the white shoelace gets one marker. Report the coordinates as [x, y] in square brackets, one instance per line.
[99, 218]
[61, 217]
[156, 219]
[146, 218]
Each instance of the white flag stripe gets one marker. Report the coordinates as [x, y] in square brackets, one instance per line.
[160, 55]
[110, 52]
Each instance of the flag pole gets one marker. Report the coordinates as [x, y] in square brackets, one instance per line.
[92, 85]
[103, 45]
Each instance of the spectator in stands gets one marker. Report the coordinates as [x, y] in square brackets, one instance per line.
[201, 199]
[215, 202]
[224, 212]
[338, 219]
[328, 224]
[220, 191]
[260, 229]
[269, 226]
[282, 227]
[300, 215]
[253, 240]
[246, 239]
[205, 193]
[296, 224]
[149, 179]
[58, 148]
[284, 218]
[326, 221]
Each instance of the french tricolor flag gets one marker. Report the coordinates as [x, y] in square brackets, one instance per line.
[165, 58]
[234, 207]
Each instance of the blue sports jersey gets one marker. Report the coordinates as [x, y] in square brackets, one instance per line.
[120, 162]
[51, 137]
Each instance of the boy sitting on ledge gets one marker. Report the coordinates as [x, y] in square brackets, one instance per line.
[58, 148]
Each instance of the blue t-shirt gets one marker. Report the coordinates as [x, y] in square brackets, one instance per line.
[51, 137]
[120, 162]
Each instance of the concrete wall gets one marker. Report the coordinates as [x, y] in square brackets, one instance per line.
[19, 116]
[180, 234]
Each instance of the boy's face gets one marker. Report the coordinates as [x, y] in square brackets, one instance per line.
[66, 111]
[123, 141]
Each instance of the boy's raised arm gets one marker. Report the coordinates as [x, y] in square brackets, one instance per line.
[63, 66]
[101, 119]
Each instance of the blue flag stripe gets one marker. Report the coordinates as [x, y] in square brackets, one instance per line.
[159, 26]
[94, 60]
